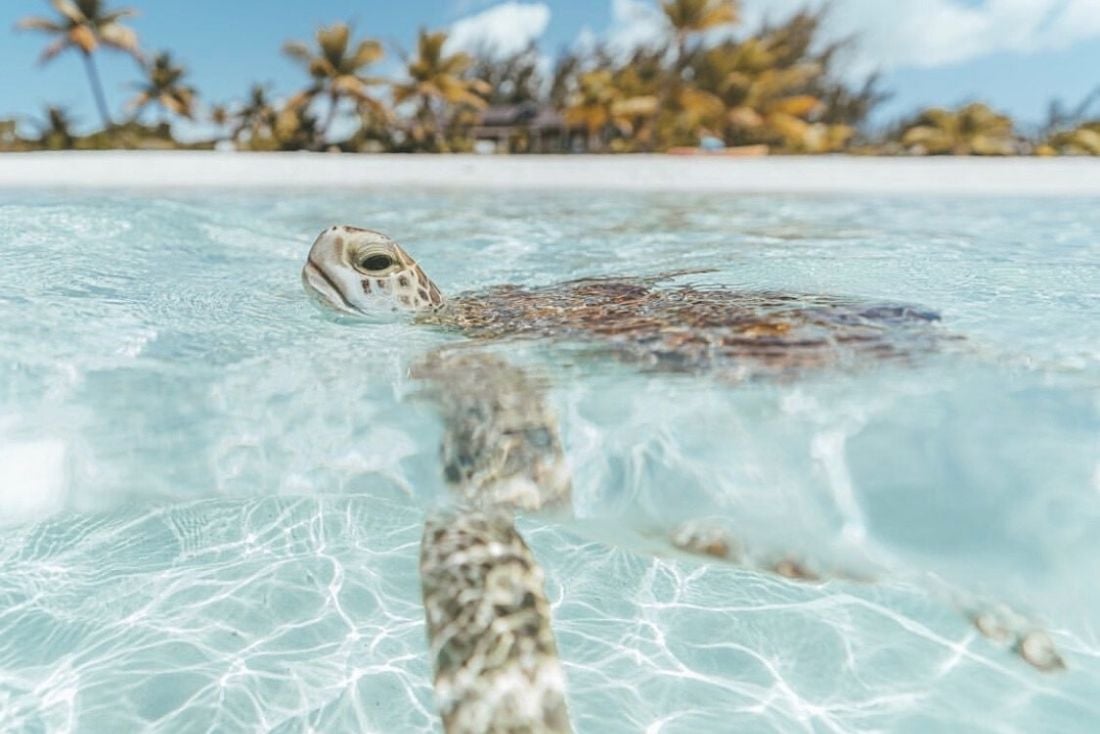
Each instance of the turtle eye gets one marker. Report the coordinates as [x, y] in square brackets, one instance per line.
[376, 262]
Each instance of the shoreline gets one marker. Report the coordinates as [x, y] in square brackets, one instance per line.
[1060, 177]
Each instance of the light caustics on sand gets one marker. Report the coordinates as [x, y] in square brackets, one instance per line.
[235, 484]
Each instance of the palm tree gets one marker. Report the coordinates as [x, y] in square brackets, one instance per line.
[1061, 118]
[257, 116]
[563, 81]
[689, 17]
[337, 71]
[163, 86]
[590, 106]
[974, 129]
[777, 90]
[438, 81]
[771, 106]
[55, 133]
[219, 115]
[612, 101]
[512, 79]
[296, 127]
[1082, 140]
[9, 133]
[84, 26]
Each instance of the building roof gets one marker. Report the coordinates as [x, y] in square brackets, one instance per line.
[508, 114]
[548, 117]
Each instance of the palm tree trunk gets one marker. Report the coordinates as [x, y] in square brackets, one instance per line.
[595, 145]
[97, 89]
[437, 124]
[441, 142]
[333, 103]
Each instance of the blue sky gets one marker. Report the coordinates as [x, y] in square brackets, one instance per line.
[1017, 54]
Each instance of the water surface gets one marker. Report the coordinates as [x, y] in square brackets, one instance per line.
[211, 493]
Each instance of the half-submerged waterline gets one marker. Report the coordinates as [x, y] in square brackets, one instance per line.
[213, 495]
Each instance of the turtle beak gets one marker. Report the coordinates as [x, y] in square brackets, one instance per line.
[325, 290]
[326, 277]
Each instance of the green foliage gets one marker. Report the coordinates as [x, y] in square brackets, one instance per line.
[55, 129]
[973, 129]
[255, 120]
[441, 92]
[775, 86]
[511, 79]
[9, 136]
[338, 71]
[1081, 140]
[163, 86]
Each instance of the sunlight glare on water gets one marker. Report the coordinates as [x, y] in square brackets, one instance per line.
[211, 493]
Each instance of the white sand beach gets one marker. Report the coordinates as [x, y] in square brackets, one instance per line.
[821, 174]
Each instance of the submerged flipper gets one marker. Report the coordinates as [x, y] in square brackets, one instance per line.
[501, 446]
[492, 646]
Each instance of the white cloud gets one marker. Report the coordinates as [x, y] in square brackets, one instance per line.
[930, 33]
[635, 24]
[942, 32]
[895, 34]
[586, 41]
[501, 30]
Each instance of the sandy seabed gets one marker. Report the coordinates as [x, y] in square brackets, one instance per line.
[216, 495]
[793, 174]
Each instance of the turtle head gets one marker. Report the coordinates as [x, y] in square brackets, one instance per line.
[361, 271]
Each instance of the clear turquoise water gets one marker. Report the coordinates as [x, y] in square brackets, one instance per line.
[210, 493]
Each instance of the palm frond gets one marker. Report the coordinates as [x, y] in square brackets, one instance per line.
[298, 51]
[333, 42]
[40, 24]
[368, 52]
[70, 10]
[53, 49]
[122, 38]
[116, 15]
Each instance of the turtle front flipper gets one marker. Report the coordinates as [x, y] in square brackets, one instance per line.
[492, 646]
[501, 444]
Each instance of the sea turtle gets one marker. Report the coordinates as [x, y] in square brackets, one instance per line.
[679, 328]
[488, 620]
